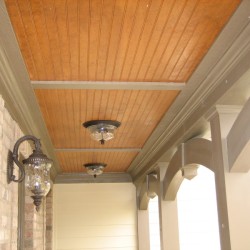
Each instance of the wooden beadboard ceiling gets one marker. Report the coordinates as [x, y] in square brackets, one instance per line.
[111, 40]
[139, 111]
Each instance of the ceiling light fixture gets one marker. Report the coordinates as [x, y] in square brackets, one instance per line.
[95, 168]
[36, 171]
[102, 130]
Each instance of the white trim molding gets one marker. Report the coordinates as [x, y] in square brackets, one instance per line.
[108, 85]
[238, 142]
[86, 178]
[187, 158]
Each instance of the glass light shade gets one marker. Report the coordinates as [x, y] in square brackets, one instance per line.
[99, 132]
[37, 178]
[95, 168]
[102, 130]
[94, 171]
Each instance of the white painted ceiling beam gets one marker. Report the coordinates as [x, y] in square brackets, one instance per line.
[86, 178]
[97, 149]
[108, 85]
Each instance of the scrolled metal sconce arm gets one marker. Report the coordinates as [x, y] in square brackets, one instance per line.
[13, 157]
[37, 167]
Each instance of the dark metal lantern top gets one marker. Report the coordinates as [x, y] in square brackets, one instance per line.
[101, 122]
[95, 165]
[37, 157]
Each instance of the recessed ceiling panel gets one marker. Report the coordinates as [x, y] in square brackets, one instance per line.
[116, 40]
[116, 161]
[139, 112]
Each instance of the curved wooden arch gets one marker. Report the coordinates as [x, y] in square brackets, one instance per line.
[197, 151]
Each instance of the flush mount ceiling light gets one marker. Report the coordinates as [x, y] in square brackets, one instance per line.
[102, 130]
[95, 168]
[36, 171]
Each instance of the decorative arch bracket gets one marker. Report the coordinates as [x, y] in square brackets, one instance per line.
[184, 164]
[149, 190]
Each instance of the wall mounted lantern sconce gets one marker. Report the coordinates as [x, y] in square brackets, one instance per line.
[95, 168]
[102, 130]
[36, 171]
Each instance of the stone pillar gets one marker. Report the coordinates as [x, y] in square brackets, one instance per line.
[168, 216]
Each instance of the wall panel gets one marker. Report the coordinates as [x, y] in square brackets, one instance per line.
[95, 216]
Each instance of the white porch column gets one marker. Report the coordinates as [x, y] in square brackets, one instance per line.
[218, 165]
[168, 216]
[143, 230]
[237, 183]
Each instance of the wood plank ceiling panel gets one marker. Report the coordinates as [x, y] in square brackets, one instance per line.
[116, 40]
[139, 112]
[116, 161]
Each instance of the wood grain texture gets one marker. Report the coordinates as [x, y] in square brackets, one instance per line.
[111, 40]
[72, 162]
[139, 111]
[116, 40]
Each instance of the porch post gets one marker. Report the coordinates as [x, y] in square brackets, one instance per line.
[168, 216]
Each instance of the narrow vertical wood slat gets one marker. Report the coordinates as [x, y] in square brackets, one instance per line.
[192, 45]
[96, 8]
[83, 107]
[193, 59]
[103, 104]
[28, 21]
[48, 13]
[170, 48]
[119, 13]
[135, 36]
[208, 36]
[161, 39]
[22, 37]
[186, 35]
[84, 19]
[133, 120]
[61, 22]
[73, 36]
[36, 11]
[61, 113]
[124, 105]
[158, 31]
[105, 36]
[46, 115]
[145, 37]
